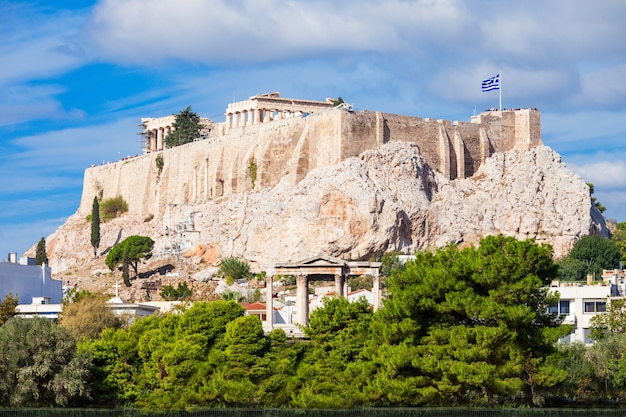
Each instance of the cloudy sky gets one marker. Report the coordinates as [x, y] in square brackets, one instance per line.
[77, 76]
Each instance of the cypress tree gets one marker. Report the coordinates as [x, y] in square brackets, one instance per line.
[40, 256]
[95, 226]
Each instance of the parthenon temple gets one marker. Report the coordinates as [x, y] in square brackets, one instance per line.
[264, 108]
[261, 108]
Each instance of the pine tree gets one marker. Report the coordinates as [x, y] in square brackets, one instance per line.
[187, 128]
[95, 226]
[40, 256]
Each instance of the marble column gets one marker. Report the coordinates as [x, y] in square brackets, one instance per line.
[159, 142]
[302, 300]
[269, 303]
[376, 290]
[338, 285]
[153, 139]
[258, 116]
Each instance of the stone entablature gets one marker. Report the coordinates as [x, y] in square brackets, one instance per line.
[264, 108]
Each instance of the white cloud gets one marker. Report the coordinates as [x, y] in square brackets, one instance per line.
[607, 174]
[262, 31]
[38, 45]
[57, 159]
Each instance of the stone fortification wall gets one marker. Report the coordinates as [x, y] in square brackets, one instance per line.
[288, 149]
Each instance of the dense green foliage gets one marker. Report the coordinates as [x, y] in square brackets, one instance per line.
[8, 307]
[597, 253]
[40, 254]
[186, 126]
[40, 364]
[233, 269]
[168, 292]
[87, 315]
[95, 226]
[129, 252]
[459, 327]
[619, 237]
[111, 208]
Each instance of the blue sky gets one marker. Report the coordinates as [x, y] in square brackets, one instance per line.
[77, 76]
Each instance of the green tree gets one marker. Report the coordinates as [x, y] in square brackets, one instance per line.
[186, 126]
[40, 255]
[612, 321]
[334, 369]
[170, 293]
[594, 200]
[390, 263]
[571, 269]
[233, 269]
[597, 252]
[619, 237]
[469, 326]
[40, 365]
[88, 317]
[233, 296]
[8, 308]
[95, 226]
[134, 247]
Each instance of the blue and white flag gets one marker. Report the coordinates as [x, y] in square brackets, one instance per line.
[492, 83]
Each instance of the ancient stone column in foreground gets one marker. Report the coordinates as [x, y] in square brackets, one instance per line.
[302, 300]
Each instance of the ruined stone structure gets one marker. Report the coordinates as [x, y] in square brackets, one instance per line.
[261, 108]
[155, 130]
[322, 268]
[262, 150]
[265, 108]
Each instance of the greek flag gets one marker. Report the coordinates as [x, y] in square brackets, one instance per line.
[492, 83]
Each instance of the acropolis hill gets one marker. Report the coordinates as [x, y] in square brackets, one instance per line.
[291, 145]
[284, 179]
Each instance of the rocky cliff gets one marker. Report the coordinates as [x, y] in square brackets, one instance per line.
[387, 198]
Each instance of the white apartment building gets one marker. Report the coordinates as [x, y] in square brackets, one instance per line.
[580, 301]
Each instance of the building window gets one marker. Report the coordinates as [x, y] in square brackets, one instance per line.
[561, 308]
[595, 306]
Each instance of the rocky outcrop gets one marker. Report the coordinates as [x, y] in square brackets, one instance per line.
[386, 199]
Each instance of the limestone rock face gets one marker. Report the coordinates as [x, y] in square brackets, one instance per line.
[386, 199]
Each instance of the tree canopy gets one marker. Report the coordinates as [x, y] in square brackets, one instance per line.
[597, 252]
[88, 317]
[233, 269]
[459, 327]
[186, 126]
[40, 364]
[468, 325]
[8, 307]
[133, 248]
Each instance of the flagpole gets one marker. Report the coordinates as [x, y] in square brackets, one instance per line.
[500, 90]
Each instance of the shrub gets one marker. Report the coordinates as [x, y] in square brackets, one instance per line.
[233, 269]
[170, 293]
[252, 171]
[159, 163]
[112, 207]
